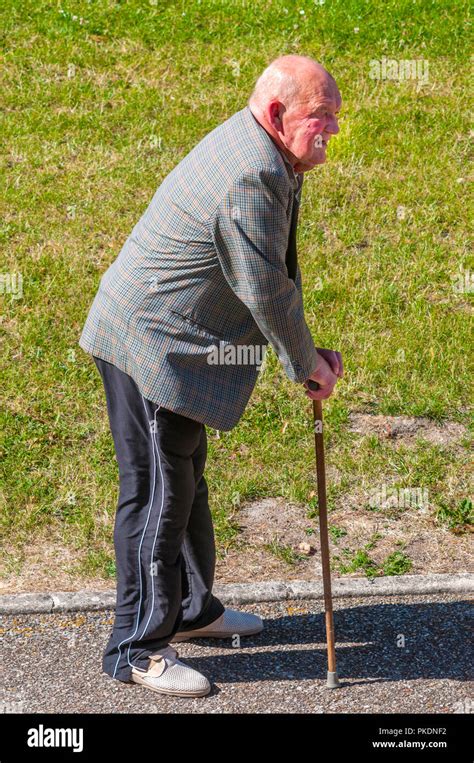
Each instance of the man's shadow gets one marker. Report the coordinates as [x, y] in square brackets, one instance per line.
[379, 642]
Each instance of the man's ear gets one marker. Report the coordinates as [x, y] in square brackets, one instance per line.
[275, 115]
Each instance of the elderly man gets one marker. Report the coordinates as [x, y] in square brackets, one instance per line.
[211, 263]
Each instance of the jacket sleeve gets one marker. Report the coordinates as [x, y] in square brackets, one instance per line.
[250, 230]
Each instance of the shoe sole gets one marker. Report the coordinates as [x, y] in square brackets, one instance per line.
[142, 682]
[212, 634]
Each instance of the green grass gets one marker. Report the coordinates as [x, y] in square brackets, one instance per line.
[96, 112]
[396, 563]
[285, 553]
[336, 532]
[459, 519]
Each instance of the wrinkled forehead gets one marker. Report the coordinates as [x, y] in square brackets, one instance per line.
[319, 91]
[324, 92]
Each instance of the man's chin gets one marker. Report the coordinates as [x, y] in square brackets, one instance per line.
[320, 158]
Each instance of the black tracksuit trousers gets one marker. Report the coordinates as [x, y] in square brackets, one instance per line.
[163, 534]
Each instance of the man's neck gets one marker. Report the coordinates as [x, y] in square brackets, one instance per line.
[289, 158]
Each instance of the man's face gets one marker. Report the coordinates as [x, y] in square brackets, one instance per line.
[307, 126]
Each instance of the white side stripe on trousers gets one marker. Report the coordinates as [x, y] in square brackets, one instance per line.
[130, 638]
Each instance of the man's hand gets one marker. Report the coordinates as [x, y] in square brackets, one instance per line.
[326, 373]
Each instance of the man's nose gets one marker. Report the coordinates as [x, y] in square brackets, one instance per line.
[332, 126]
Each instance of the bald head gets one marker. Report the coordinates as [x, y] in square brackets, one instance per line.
[289, 79]
[296, 101]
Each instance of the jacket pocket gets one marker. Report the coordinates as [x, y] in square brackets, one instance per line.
[199, 327]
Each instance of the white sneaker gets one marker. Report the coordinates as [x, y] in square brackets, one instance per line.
[168, 675]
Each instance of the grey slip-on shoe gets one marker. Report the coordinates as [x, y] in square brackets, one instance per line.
[168, 675]
[230, 623]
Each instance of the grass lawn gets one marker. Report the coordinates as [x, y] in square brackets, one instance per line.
[100, 100]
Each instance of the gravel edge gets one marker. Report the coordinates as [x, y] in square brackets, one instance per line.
[250, 593]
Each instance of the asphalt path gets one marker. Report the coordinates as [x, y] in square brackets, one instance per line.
[395, 654]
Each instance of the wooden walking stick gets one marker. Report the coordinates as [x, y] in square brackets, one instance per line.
[332, 680]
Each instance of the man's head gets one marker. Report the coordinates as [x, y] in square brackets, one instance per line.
[296, 100]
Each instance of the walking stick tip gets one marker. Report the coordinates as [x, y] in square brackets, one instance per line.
[333, 681]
